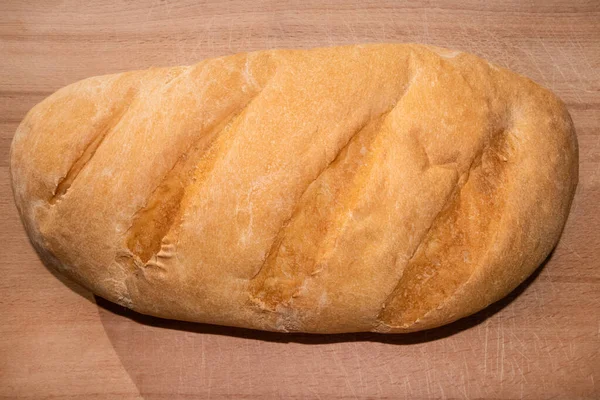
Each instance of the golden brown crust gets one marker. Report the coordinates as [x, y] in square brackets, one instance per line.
[385, 188]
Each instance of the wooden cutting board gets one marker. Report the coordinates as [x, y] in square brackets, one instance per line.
[58, 341]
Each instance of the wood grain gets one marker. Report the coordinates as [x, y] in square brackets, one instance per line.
[58, 341]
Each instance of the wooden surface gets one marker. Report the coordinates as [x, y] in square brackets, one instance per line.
[58, 341]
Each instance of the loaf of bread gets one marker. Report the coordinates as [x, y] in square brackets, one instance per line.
[387, 188]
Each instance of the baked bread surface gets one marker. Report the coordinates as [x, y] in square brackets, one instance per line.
[387, 188]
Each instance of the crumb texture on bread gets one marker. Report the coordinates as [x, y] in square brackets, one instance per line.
[387, 188]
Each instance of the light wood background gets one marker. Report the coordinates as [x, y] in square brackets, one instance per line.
[58, 341]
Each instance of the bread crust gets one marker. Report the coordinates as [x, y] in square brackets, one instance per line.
[388, 188]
